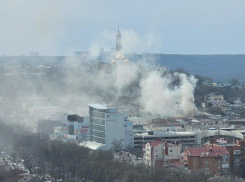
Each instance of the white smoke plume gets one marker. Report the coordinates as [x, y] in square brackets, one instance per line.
[159, 93]
[79, 81]
[159, 98]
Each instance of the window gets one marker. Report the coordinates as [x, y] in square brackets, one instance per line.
[206, 167]
[236, 163]
[156, 150]
[225, 158]
[171, 150]
[218, 167]
[237, 157]
[206, 161]
[237, 152]
[156, 155]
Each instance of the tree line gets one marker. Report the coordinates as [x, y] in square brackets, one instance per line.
[73, 163]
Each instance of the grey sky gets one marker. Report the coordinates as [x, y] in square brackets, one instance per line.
[58, 27]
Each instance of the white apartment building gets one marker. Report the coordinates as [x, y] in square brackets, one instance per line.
[107, 125]
[158, 153]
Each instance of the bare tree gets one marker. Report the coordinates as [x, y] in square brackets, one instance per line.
[234, 81]
[117, 145]
[2, 173]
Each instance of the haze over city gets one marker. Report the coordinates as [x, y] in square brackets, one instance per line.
[122, 91]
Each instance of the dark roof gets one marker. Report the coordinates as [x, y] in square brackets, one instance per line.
[75, 117]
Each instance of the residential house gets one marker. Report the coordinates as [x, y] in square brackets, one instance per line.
[211, 160]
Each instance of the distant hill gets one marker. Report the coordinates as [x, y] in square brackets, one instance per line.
[219, 67]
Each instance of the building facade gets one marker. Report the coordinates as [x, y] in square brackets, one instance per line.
[241, 143]
[129, 134]
[210, 160]
[215, 99]
[234, 150]
[158, 153]
[106, 125]
[187, 139]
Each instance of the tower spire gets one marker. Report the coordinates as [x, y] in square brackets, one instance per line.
[118, 41]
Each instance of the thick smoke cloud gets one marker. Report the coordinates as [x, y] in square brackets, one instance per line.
[78, 83]
[159, 98]
[158, 92]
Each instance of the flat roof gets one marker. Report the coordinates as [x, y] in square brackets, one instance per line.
[92, 145]
[166, 134]
[216, 132]
[98, 106]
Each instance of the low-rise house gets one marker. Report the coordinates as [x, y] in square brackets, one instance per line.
[210, 160]
[127, 157]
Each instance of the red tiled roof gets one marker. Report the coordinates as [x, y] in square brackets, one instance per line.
[156, 143]
[216, 150]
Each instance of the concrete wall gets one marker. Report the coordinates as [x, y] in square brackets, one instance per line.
[114, 129]
[129, 134]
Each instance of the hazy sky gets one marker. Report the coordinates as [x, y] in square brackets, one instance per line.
[59, 27]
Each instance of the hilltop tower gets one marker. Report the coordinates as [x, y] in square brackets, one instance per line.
[119, 57]
[118, 42]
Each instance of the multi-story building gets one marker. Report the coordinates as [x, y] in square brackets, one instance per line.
[77, 126]
[210, 160]
[215, 99]
[187, 139]
[72, 128]
[233, 149]
[158, 153]
[241, 143]
[106, 125]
